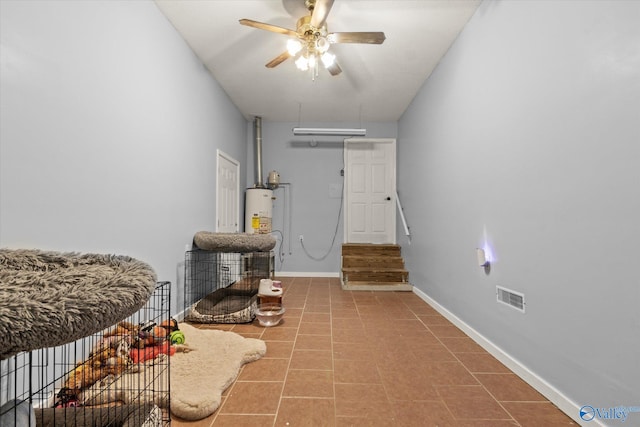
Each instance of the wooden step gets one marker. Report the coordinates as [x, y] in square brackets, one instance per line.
[397, 275]
[378, 267]
[368, 261]
[367, 249]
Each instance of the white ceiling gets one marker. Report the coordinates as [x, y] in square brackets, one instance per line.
[377, 82]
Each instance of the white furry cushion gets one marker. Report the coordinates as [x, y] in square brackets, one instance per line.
[199, 377]
[52, 298]
[234, 242]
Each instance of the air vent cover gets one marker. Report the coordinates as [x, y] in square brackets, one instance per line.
[511, 298]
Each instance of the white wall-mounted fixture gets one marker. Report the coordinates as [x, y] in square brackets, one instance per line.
[483, 260]
[329, 131]
[482, 257]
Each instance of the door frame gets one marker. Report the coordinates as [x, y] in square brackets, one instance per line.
[392, 195]
[220, 204]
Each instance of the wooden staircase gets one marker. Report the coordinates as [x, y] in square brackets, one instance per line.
[373, 267]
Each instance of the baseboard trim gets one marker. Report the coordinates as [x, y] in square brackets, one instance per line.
[565, 404]
[305, 274]
[373, 287]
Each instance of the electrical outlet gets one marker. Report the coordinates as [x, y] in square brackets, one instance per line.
[301, 238]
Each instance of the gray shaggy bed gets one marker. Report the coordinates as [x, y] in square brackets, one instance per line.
[53, 298]
[233, 242]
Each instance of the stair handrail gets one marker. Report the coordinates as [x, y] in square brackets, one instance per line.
[404, 220]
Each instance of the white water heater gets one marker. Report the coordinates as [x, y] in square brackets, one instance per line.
[258, 211]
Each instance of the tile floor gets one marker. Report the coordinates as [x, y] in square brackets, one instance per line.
[353, 358]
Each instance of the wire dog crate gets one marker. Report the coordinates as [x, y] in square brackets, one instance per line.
[116, 377]
[222, 287]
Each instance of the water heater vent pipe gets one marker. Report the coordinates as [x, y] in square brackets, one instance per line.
[258, 136]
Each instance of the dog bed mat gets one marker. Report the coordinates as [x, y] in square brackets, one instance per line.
[54, 298]
[225, 305]
[145, 415]
[234, 242]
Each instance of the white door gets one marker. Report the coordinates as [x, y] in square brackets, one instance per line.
[370, 190]
[227, 194]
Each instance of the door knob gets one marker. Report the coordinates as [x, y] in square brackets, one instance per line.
[388, 198]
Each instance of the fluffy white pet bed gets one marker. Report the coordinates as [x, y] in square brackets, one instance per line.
[52, 298]
[234, 242]
[199, 377]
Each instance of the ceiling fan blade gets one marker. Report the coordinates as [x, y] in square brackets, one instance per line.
[334, 69]
[278, 59]
[268, 27]
[320, 12]
[371, 37]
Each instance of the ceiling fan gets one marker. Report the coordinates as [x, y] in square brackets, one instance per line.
[311, 41]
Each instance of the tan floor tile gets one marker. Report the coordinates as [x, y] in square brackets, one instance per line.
[292, 312]
[365, 409]
[279, 333]
[446, 331]
[250, 335]
[248, 328]
[422, 309]
[489, 423]
[223, 420]
[374, 312]
[403, 384]
[316, 317]
[252, 398]
[352, 351]
[345, 313]
[354, 392]
[293, 302]
[308, 383]
[380, 421]
[431, 319]
[403, 314]
[264, 370]
[509, 387]
[482, 363]
[445, 373]
[279, 349]
[351, 335]
[346, 323]
[312, 359]
[434, 353]
[423, 413]
[303, 412]
[419, 338]
[462, 345]
[289, 322]
[318, 308]
[394, 357]
[534, 414]
[314, 328]
[313, 342]
[356, 371]
[471, 402]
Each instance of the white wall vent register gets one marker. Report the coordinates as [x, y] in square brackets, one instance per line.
[511, 298]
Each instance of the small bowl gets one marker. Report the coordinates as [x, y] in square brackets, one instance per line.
[269, 314]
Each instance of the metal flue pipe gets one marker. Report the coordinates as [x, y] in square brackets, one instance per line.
[257, 130]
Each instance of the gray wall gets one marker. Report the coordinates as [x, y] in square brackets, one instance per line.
[527, 137]
[109, 132]
[314, 176]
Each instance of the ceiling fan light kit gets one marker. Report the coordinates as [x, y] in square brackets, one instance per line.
[311, 41]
